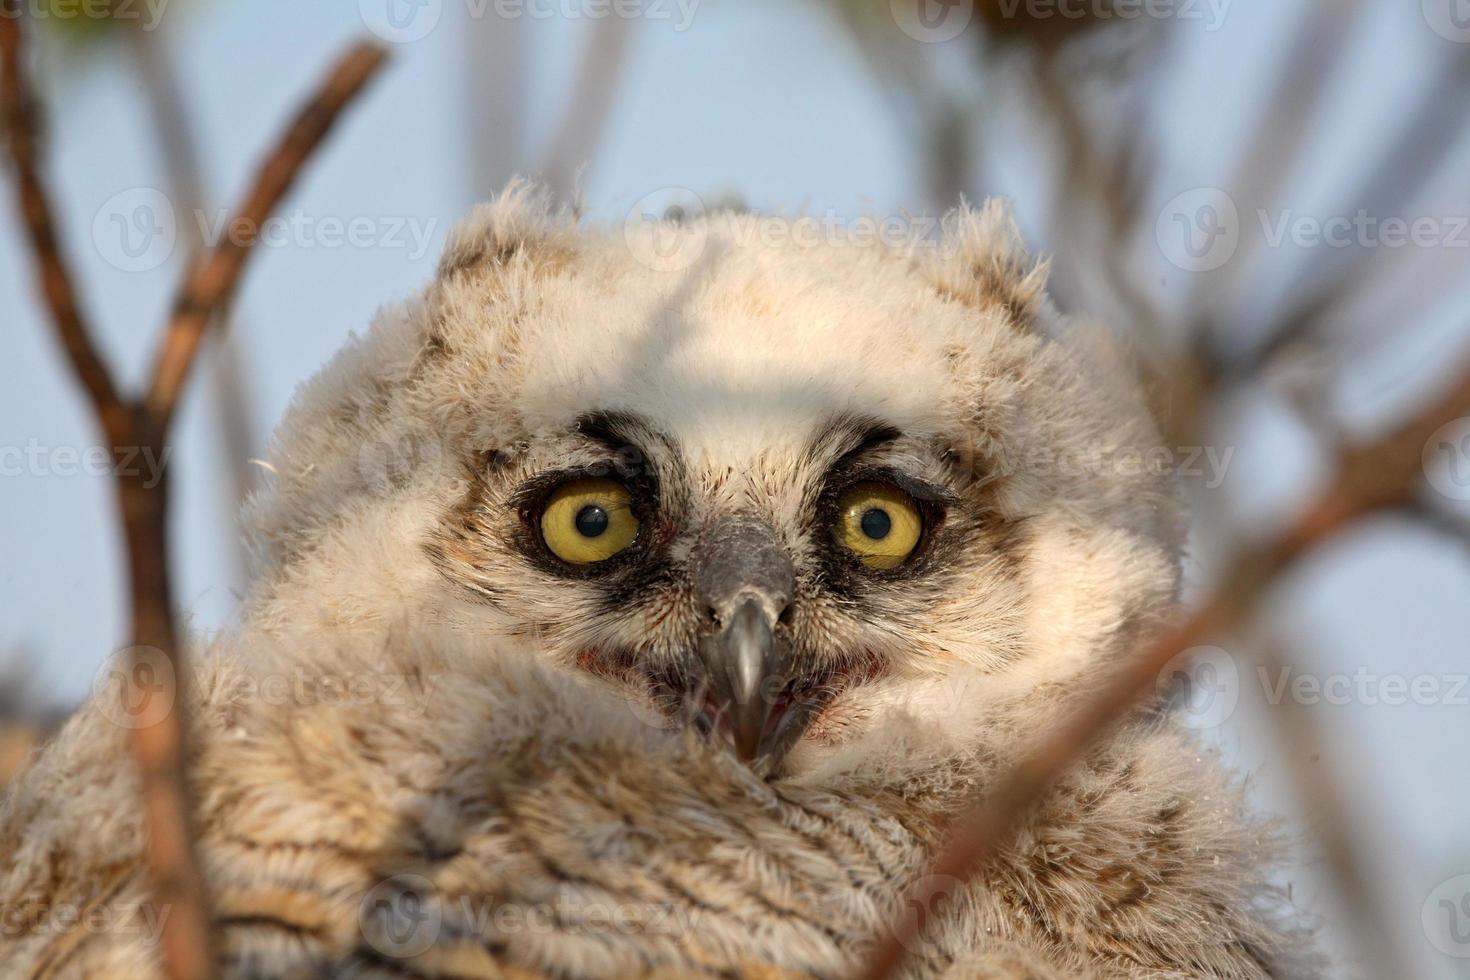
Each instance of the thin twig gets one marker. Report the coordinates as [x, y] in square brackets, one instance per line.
[19, 113]
[154, 63]
[576, 141]
[1369, 478]
[1305, 748]
[177, 888]
[213, 279]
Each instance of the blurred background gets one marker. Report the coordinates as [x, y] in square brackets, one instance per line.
[1270, 201]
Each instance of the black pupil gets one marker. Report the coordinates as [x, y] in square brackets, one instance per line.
[876, 523]
[591, 521]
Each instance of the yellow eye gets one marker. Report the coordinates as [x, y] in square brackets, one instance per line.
[588, 520]
[879, 523]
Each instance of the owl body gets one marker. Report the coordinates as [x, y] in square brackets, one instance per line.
[450, 740]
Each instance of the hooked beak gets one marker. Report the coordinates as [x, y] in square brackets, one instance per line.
[748, 694]
[743, 673]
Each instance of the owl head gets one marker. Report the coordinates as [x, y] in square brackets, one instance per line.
[781, 487]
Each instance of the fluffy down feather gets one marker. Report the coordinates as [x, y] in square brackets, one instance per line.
[400, 769]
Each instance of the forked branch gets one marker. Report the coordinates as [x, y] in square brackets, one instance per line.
[19, 110]
[212, 279]
[177, 888]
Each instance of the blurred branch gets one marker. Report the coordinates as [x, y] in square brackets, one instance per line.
[1270, 159]
[154, 63]
[596, 84]
[938, 124]
[494, 50]
[1450, 525]
[212, 279]
[178, 888]
[1369, 478]
[21, 128]
[1311, 779]
[1116, 185]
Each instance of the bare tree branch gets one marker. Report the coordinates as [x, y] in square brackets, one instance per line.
[178, 890]
[1369, 478]
[154, 63]
[213, 279]
[582, 125]
[20, 123]
[1304, 746]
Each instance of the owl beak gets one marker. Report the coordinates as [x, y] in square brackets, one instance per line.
[744, 676]
[745, 579]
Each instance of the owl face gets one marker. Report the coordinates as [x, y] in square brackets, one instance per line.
[746, 595]
[761, 495]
